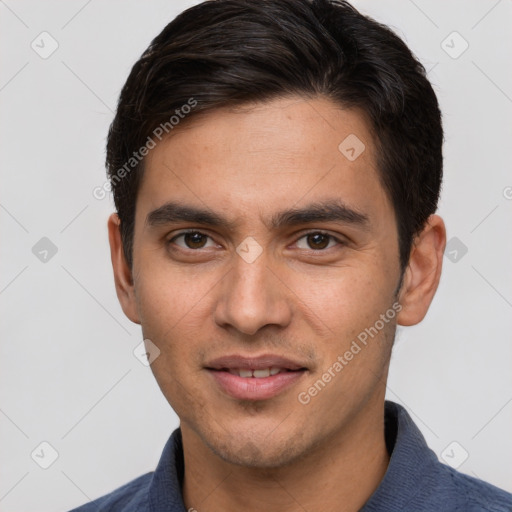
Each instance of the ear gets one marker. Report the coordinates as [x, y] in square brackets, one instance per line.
[423, 272]
[122, 273]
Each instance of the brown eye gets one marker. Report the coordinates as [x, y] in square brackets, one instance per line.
[192, 240]
[317, 241]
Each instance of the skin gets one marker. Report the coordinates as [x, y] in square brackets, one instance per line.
[298, 299]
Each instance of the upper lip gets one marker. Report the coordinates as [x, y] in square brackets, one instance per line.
[237, 361]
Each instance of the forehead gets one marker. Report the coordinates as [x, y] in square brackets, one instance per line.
[266, 156]
[278, 130]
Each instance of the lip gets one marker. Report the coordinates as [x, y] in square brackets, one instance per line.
[235, 361]
[252, 388]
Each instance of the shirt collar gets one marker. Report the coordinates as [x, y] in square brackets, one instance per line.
[165, 493]
[411, 461]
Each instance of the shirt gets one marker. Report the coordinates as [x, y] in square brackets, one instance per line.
[415, 480]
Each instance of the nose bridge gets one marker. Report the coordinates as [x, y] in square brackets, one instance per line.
[252, 296]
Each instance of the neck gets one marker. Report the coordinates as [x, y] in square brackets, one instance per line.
[338, 475]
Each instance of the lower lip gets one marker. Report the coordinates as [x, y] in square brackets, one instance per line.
[253, 388]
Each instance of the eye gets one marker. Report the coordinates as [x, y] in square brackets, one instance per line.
[318, 241]
[192, 240]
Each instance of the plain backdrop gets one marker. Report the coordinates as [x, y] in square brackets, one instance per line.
[68, 374]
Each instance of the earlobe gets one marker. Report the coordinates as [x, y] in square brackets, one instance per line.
[423, 272]
[123, 277]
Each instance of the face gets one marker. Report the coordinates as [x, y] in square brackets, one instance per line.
[260, 245]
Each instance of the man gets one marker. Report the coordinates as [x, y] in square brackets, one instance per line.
[276, 167]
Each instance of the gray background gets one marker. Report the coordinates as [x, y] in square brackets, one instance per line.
[68, 373]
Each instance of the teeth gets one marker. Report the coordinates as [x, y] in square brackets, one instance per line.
[262, 373]
[258, 374]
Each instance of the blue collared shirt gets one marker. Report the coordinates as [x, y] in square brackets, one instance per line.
[415, 480]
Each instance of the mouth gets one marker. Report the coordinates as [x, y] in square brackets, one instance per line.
[255, 378]
[256, 374]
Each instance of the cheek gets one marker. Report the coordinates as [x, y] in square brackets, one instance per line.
[168, 296]
[172, 312]
[174, 309]
[346, 300]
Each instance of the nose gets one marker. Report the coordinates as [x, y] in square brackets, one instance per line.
[252, 297]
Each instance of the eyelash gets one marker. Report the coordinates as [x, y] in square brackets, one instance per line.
[304, 235]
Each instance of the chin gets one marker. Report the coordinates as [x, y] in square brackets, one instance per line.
[257, 450]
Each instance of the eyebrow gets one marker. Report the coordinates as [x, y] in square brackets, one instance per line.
[325, 211]
[174, 212]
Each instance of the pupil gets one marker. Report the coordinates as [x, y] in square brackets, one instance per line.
[318, 241]
[194, 240]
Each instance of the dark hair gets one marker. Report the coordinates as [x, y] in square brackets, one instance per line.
[230, 52]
